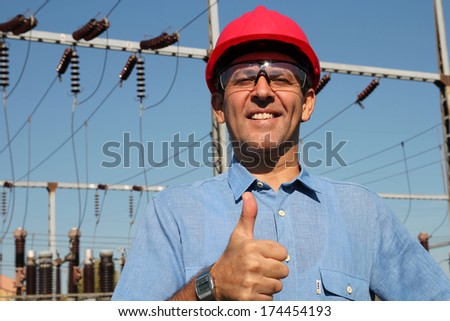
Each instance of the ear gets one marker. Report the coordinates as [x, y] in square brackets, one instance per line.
[217, 105]
[308, 104]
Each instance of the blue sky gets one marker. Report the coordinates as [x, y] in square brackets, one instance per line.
[387, 34]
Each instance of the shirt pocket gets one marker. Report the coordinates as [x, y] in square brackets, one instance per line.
[344, 285]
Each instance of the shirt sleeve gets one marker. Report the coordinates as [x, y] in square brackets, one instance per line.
[403, 269]
[154, 268]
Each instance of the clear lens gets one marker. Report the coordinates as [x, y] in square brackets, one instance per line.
[280, 75]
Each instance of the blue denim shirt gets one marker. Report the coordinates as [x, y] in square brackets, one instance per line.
[343, 242]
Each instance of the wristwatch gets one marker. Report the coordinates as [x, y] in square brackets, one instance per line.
[204, 285]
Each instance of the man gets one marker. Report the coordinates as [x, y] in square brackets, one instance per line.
[267, 229]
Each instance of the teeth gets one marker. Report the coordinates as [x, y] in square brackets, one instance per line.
[262, 116]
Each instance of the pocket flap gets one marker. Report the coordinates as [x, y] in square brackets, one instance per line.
[344, 285]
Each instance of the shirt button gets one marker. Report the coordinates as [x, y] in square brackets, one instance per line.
[260, 184]
[288, 258]
[349, 289]
[281, 213]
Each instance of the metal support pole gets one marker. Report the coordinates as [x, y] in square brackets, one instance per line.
[444, 85]
[219, 131]
[51, 188]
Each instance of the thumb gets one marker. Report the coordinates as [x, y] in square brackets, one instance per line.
[246, 223]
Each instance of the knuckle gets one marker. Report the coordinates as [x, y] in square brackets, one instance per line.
[278, 286]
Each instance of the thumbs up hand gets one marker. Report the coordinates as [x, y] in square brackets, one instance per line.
[249, 269]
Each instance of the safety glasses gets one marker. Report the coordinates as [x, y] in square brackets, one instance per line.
[279, 75]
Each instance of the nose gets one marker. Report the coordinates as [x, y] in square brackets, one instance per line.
[262, 87]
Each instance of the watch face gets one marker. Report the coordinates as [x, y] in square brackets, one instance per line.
[204, 286]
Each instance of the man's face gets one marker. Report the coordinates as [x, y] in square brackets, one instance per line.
[263, 115]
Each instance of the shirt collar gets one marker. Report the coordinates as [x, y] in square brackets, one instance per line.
[240, 179]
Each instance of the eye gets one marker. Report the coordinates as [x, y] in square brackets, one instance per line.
[244, 80]
[282, 80]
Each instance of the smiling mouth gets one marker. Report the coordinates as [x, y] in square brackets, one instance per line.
[262, 116]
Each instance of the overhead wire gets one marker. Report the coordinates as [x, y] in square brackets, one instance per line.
[360, 97]
[178, 58]
[196, 17]
[27, 190]
[40, 8]
[383, 150]
[390, 163]
[22, 72]
[408, 184]
[75, 84]
[86, 153]
[328, 120]
[164, 160]
[113, 8]
[401, 173]
[31, 115]
[440, 224]
[27, 54]
[180, 175]
[11, 159]
[442, 157]
[74, 154]
[444, 183]
[82, 213]
[102, 75]
[171, 85]
[75, 132]
[104, 60]
[168, 91]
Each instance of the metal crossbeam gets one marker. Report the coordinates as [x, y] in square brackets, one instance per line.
[105, 43]
[379, 72]
[421, 197]
[109, 187]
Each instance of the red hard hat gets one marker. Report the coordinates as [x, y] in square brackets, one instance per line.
[260, 26]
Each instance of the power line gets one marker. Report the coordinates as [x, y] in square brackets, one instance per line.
[328, 120]
[28, 176]
[408, 183]
[163, 161]
[391, 163]
[113, 8]
[31, 115]
[40, 8]
[74, 155]
[27, 55]
[180, 175]
[383, 150]
[440, 224]
[101, 76]
[86, 153]
[178, 58]
[401, 173]
[172, 83]
[74, 133]
[11, 159]
[197, 16]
